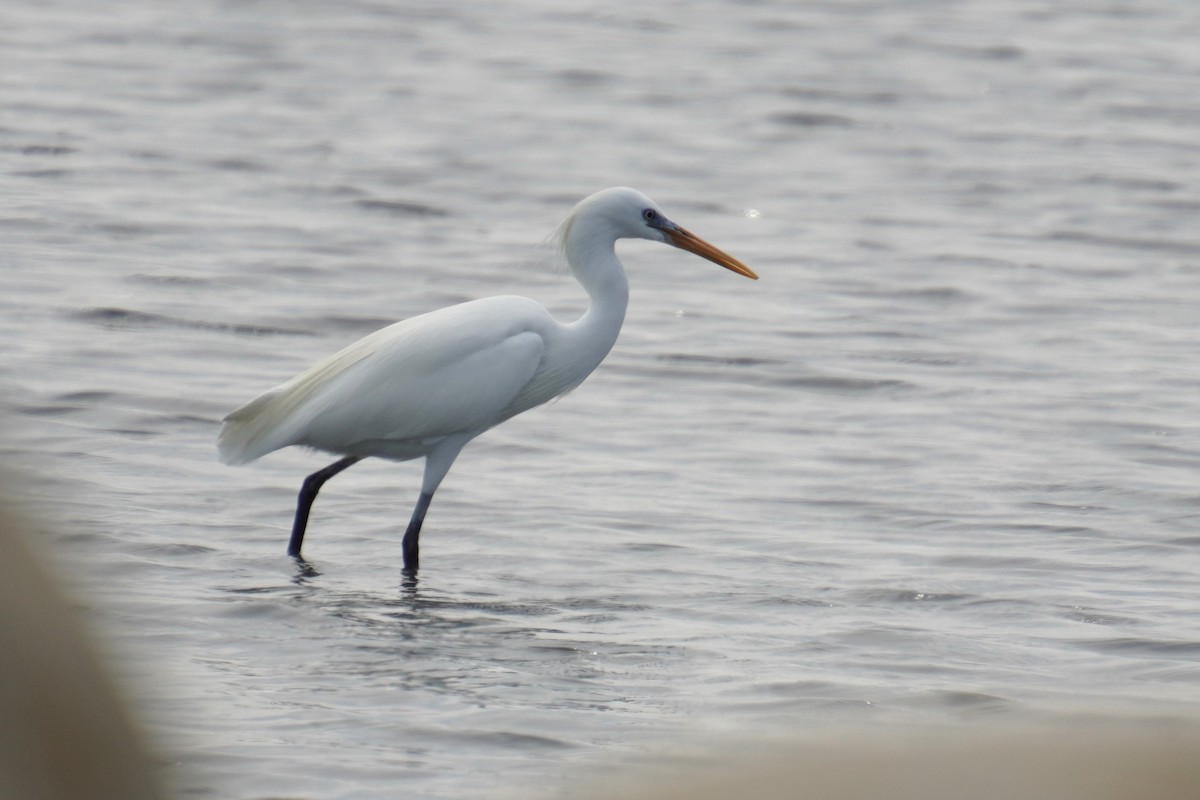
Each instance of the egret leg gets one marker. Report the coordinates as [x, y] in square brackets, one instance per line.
[412, 536]
[308, 493]
[437, 464]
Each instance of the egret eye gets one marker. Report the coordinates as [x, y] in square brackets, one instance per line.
[649, 215]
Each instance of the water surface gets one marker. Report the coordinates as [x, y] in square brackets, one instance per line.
[940, 463]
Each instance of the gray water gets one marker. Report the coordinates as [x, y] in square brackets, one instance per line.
[942, 463]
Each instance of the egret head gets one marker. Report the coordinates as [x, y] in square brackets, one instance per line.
[629, 214]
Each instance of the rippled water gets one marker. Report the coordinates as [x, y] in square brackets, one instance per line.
[941, 463]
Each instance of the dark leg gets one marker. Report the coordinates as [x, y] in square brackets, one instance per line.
[437, 464]
[412, 536]
[308, 493]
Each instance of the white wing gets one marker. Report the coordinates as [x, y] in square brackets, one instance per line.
[399, 390]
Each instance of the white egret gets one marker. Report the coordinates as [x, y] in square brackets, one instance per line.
[430, 384]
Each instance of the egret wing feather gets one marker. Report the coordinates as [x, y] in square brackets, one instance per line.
[398, 391]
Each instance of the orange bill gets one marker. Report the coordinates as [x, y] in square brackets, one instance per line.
[685, 240]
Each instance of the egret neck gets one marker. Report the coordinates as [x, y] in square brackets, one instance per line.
[590, 252]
